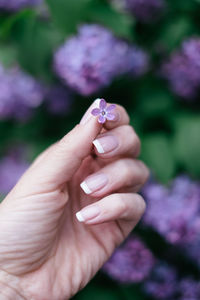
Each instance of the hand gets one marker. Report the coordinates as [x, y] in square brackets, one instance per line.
[45, 252]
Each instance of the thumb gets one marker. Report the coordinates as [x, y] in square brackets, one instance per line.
[63, 159]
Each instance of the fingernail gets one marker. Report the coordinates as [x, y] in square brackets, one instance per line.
[94, 183]
[88, 213]
[87, 116]
[106, 143]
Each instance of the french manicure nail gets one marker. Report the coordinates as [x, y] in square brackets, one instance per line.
[106, 144]
[94, 183]
[88, 213]
[87, 116]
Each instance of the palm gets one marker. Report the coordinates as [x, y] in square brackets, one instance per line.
[61, 248]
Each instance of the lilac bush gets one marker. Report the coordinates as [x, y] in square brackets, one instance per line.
[58, 99]
[92, 59]
[174, 211]
[130, 263]
[146, 11]
[189, 289]
[14, 5]
[163, 282]
[183, 70]
[12, 166]
[19, 94]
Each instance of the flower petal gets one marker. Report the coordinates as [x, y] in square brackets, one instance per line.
[110, 116]
[110, 107]
[95, 112]
[102, 119]
[102, 104]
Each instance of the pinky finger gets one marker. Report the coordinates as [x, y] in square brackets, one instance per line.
[127, 207]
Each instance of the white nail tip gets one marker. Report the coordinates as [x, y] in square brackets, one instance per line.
[97, 101]
[85, 188]
[98, 146]
[79, 217]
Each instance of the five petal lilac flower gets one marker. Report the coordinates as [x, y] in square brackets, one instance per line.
[104, 112]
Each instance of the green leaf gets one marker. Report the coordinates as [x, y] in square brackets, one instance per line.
[154, 101]
[98, 293]
[68, 14]
[187, 143]
[102, 12]
[8, 23]
[36, 41]
[175, 30]
[8, 55]
[158, 155]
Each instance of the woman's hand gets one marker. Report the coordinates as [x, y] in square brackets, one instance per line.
[46, 252]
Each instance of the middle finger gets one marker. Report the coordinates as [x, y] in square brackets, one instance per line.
[120, 141]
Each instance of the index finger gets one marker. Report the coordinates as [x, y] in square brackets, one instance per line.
[121, 116]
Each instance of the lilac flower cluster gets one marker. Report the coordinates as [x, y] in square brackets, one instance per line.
[146, 11]
[183, 70]
[165, 284]
[189, 289]
[92, 59]
[175, 211]
[58, 99]
[19, 94]
[130, 263]
[14, 5]
[12, 166]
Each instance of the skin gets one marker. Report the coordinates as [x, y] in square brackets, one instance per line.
[45, 252]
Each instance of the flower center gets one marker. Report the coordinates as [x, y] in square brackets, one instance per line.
[103, 113]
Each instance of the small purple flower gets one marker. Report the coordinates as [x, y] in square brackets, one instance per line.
[104, 112]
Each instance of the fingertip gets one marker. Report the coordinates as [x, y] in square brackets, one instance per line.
[88, 115]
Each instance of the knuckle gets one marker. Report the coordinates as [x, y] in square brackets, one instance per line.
[134, 139]
[145, 171]
[122, 207]
[125, 167]
[124, 113]
[141, 205]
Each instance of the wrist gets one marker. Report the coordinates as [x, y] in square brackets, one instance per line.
[9, 288]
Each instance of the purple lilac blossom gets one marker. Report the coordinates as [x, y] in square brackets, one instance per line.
[130, 263]
[192, 250]
[175, 211]
[146, 11]
[92, 59]
[163, 282]
[14, 5]
[19, 94]
[104, 112]
[183, 70]
[58, 99]
[12, 166]
[189, 289]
